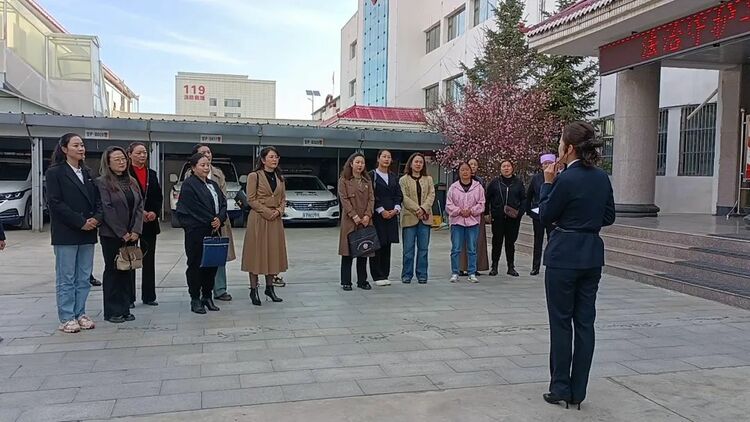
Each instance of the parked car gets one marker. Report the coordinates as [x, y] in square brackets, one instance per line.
[308, 200]
[233, 185]
[15, 191]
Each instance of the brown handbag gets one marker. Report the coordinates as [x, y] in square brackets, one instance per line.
[129, 258]
[507, 209]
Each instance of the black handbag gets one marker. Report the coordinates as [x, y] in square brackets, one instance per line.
[363, 242]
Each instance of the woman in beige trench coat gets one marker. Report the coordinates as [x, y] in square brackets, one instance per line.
[264, 251]
[357, 205]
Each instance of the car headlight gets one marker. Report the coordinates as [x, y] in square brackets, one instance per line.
[12, 195]
[334, 203]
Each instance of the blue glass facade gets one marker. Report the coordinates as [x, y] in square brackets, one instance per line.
[375, 53]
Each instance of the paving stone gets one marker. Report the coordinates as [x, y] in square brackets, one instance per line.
[436, 354]
[20, 384]
[496, 350]
[35, 398]
[656, 366]
[715, 361]
[321, 390]
[200, 358]
[306, 363]
[270, 379]
[465, 379]
[270, 354]
[242, 397]
[396, 385]
[32, 370]
[234, 368]
[118, 391]
[193, 385]
[68, 412]
[348, 373]
[417, 368]
[157, 404]
[154, 374]
[335, 350]
[480, 364]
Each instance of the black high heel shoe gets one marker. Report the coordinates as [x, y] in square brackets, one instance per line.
[553, 398]
[197, 306]
[254, 297]
[272, 295]
[208, 302]
[576, 403]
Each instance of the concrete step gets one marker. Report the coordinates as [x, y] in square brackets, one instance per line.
[686, 239]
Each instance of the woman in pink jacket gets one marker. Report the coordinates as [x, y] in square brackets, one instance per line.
[465, 206]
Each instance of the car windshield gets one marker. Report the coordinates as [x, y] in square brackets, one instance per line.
[16, 172]
[226, 168]
[304, 183]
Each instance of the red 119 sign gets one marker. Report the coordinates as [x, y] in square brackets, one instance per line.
[729, 19]
[194, 93]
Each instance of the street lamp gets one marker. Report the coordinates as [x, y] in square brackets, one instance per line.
[312, 94]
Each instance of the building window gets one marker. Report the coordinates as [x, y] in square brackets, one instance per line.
[454, 88]
[607, 128]
[374, 81]
[431, 96]
[212, 113]
[456, 24]
[231, 102]
[432, 38]
[212, 102]
[697, 139]
[352, 87]
[483, 9]
[232, 115]
[353, 50]
[661, 151]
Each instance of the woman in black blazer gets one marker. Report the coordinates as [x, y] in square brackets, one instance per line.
[148, 184]
[578, 202]
[122, 226]
[388, 198]
[200, 211]
[75, 211]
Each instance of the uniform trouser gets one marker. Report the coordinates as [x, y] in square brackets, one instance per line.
[571, 297]
[539, 231]
[504, 229]
[200, 281]
[148, 272]
[115, 283]
[346, 270]
[380, 264]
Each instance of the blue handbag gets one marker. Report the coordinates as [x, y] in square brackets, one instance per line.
[215, 251]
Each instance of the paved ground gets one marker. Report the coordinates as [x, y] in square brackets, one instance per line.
[439, 352]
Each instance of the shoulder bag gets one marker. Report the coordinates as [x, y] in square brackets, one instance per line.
[507, 209]
[129, 257]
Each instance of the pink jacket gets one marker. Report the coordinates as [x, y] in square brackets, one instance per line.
[459, 200]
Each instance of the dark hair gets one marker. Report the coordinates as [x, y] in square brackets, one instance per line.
[199, 146]
[263, 154]
[106, 173]
[582, 136]
[509, 162]
[58, 155]
[458, 168]
[408, 171]
[133, 145]
[193, 160]
[347, 172]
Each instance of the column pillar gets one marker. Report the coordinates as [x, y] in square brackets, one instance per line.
[635, 143]
[37, 182]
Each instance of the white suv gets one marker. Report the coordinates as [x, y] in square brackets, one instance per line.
[15, 191]
[309, 200]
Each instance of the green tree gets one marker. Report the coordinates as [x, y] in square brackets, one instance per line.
[507, 57]
[569, 81]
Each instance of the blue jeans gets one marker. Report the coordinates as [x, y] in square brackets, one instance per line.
[220, 282]
[419, 235]
[461, 235]
[73, 267]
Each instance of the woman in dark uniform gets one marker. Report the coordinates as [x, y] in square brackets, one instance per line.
[579, 201]
[388, 198]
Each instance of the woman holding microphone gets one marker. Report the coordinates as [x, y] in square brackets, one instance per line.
[579, 201]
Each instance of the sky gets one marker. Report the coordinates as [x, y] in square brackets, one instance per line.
[146, 42]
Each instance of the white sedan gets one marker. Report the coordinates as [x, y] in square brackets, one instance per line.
[308, 200]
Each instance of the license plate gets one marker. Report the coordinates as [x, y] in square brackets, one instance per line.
[310, 215]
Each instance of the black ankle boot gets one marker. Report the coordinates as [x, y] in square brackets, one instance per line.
[254, 298]
[208, 302]
[493, 271]
[512, 271]
[197, 306]
[272, 295]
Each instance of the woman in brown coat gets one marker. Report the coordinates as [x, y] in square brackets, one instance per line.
[264, 251]
[357, 203]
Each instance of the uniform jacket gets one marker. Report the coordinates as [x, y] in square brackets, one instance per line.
[356, 200]
[196, 206]
[501, 193]
[579, 203]
[458, 199]
[70, 203]
[533, 193]
[152, 201]
[118, 221]
[387, 196]
[411, 202]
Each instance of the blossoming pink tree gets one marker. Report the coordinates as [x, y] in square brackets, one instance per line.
[495, 122]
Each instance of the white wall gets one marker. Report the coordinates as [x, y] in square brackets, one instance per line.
[350, 68]
[257, 98]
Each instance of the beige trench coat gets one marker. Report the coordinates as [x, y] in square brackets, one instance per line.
[264, 251]
[357, 199]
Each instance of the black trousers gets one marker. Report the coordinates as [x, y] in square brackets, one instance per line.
[346, 270]
[200, 281]
[571, 296]
[115, 283]
[148, 272]
[504, 229]
[539, 231]
[380, 264]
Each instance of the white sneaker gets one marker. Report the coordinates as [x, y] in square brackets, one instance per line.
[473, 279]
[70, 327]
[86, 323]
[382, 283]
[454, 278]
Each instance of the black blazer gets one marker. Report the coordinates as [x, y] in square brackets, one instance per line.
[579, 202]
[152, 201]
[70, 203]
[196, 208]
[386, 196]
[533, 193]
[497, 192]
